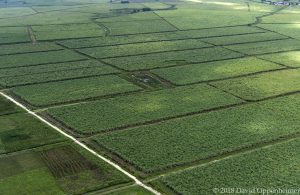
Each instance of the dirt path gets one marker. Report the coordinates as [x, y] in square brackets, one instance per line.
[31, 35]
[136, 180]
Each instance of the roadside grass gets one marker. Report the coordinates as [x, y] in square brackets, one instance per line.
[21, 131]
[56, 169]
[7, 107]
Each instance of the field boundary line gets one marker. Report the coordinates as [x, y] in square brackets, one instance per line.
[116, 166]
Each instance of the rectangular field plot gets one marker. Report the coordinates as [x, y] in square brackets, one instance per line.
[27, 48]
[172, 58]
[38, 58]
[53, 72]
[136, 27]
[59, 169]
[73, 90]
[143, 48]
[262, 85]
[214, 70]
[21, 131]
[291, 58]
[13, 35]
[189, 139]
[272, 167]
[235, 39]
[54, 32]
[266, 47]
[57, 67]
[117, 40]
[140, 108]
[7, 107]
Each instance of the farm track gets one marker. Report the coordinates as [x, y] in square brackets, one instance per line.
[31, 35]
[135, 179]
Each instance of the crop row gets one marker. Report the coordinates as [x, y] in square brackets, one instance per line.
[128, 39]
[27, 48]
[264, 85]
[194, 73]
[274, 167]
[73, 90]
[266, 47]
[38, 58]
[184, 140]
[172, 58]
[66, 71]
[142, 48]
[140, 108]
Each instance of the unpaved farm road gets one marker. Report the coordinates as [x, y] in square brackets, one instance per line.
[137, 181]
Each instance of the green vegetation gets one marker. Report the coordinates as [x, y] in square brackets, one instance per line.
[140, 108]
[142, 48]
[262, 85]
[170, 143]
[27, 48]
[214, 70]
[266, 47]
[273, 167]
[235, 39]
[61, 169]
[29, 59]
[57, 67]
[134, 190]
[21, 131]
[7, 107]
[135, 27]
[172, 58]
[116, 40]
[73, 90]
[177, 93]
[13, 35]
[291, 59]
[53, 72]
[291, 30]
[53, 32]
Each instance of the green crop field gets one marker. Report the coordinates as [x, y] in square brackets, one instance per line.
[214, 70]
[53, 72]
[72, 90]
[199, 137]
[139, 97]
[263, 85]
[29, 59]
[141, 108]
[172, 58]
[243, 171]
